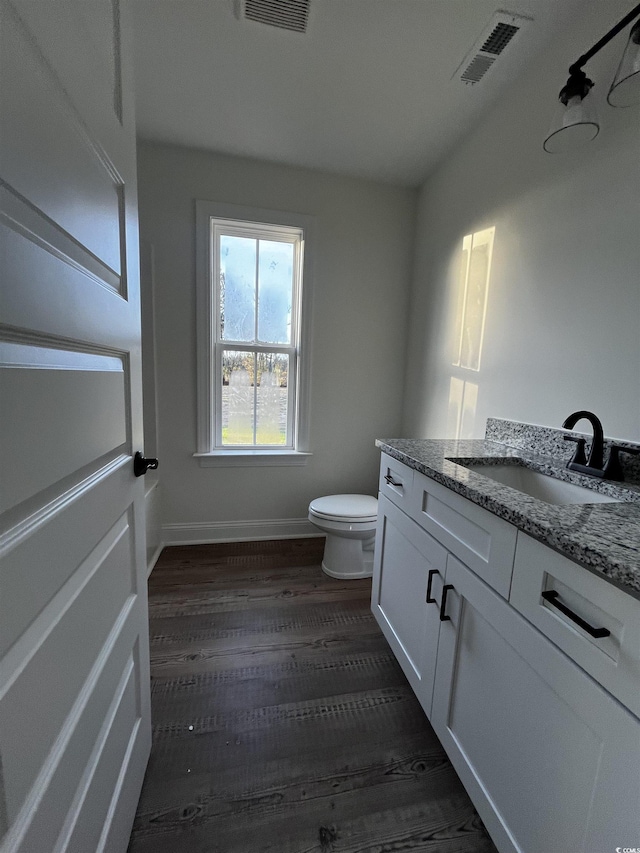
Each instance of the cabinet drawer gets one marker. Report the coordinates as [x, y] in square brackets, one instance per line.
[613, 660]
[480, 539]
[396, 481]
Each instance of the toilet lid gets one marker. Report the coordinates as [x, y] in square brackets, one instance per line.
[346, 507]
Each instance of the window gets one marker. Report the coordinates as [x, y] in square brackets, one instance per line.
[252, 366]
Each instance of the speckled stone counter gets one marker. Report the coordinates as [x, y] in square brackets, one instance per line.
[604, 537]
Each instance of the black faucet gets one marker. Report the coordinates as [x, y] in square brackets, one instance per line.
[594, 465]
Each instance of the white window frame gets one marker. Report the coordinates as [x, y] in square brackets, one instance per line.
[209, 349]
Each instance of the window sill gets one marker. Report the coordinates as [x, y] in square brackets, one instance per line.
[251, 458]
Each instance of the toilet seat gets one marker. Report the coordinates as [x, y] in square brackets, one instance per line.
[345, 508]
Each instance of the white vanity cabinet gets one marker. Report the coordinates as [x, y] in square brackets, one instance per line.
[534, 715]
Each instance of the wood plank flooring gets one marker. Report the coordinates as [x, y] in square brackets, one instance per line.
[282, 722]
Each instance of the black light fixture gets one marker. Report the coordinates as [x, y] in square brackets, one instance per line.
[575, 120]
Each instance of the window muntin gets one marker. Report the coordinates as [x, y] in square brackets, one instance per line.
[256, 284]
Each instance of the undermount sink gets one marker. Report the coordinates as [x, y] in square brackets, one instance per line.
[537, 485]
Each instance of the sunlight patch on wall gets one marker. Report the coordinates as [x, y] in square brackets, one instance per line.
[470, 313]
[473, 288]
[463, 401]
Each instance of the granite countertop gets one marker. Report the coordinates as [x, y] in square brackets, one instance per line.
[603, 537]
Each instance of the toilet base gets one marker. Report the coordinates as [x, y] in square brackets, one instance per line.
[347, 575]
[348, 558]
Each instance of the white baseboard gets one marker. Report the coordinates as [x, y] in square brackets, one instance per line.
[154, 559]
[206, 532]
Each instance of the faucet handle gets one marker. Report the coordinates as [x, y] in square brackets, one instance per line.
[579, 457]
[613, 469]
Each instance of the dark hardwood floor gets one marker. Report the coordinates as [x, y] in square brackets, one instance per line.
[281, 720]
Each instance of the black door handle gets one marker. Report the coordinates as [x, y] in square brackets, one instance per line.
[432, 574]
[141, 464]
[443, 603]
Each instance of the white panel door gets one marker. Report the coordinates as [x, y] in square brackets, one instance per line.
[74, 671]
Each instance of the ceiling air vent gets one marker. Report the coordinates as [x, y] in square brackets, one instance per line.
[500, 37]
[292, 15]
[497, 35]
[476, 69]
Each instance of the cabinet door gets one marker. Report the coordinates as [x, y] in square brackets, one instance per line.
[405, 558]
[550, 759]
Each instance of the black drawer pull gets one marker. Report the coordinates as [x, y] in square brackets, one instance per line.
[443, 603]
[432, 573]
[391, 481]
[551, 596]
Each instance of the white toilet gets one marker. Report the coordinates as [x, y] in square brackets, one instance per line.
[349, 522]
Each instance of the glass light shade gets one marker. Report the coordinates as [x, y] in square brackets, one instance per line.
[573, 125]
[625, 89]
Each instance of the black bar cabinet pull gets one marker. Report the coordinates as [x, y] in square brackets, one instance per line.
[432, 573]
[391, 481]
[551, 596]
[141, 464]
[443, 603]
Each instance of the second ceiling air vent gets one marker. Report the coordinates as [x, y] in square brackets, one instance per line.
[497, 35]
[292, 15]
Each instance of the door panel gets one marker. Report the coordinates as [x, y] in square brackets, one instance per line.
[117, 737]
[103, 588]
[66, 531]
[89, 391]
[68, 181]
[63, 173]
[74, 682]
[36, 250]
[102, 732]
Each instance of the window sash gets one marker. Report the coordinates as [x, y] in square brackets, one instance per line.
[294, 236]
[292, 384]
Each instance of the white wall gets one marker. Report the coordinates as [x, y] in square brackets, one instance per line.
[563, 318]
[360, 300]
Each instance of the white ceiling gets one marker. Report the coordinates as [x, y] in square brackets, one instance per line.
[367, 91]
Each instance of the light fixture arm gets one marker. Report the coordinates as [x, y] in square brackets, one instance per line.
[634, 13]
[576, 121]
